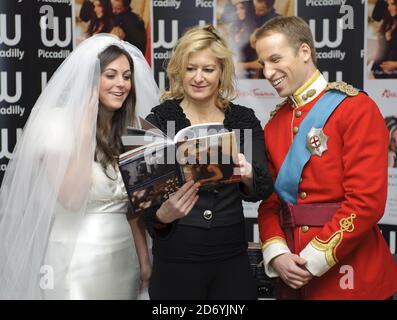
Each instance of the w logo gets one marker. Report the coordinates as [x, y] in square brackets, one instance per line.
[161, 34]
[4, 87]
[3, 30]
[5, 151]
[326, 42]
[55, 41]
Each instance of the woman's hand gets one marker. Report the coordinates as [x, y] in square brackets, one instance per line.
[179, 204]
[245, 169]
[388, 66]
[146, 271]
[246, 173]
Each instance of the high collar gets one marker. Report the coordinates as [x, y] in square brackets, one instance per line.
[309, 90]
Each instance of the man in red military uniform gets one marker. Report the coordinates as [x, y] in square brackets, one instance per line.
[327, 151]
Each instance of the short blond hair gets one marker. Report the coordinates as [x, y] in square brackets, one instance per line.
[194, 40]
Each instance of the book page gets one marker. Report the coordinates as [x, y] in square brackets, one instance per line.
[210, 159]
[148, 177]
[148, 126]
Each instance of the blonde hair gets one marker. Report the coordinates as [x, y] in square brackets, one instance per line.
[194, 40]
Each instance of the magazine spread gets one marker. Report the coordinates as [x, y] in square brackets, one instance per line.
[156, 166]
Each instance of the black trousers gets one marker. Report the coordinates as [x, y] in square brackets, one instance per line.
[229, 279]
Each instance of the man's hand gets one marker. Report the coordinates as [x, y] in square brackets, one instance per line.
[291, 269]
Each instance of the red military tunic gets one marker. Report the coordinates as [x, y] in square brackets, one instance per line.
[348, 255]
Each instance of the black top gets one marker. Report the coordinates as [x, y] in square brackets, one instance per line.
[224, 202]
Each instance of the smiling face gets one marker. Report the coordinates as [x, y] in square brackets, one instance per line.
[202, 75]
[115, 84]
[285, 67]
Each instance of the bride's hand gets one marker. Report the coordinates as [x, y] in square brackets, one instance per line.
[146, 271]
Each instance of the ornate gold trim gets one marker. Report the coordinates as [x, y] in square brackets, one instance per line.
[346, 224]
[343, 87]
[271, 241]
[309, 90]
[329, 246]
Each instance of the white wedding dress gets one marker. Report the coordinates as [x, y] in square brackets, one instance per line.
[104, 263]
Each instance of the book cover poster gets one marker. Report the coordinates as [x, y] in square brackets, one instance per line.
[130, 23]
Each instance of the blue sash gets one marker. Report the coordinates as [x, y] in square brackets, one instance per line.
[287, 181]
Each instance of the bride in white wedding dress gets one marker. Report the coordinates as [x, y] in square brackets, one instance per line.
[66, 231]
[104, 264]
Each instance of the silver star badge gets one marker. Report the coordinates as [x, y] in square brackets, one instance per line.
[316, 141]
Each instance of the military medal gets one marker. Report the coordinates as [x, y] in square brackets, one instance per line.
[316, 141]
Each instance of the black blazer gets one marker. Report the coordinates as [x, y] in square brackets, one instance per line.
[225, 202]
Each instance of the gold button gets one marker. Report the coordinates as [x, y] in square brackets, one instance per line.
[295, 130]
[298, 113]
[207, 214]
[305, 229]
[300, 180]
[303, 195]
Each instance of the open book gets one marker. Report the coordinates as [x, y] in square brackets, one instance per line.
[156, 166]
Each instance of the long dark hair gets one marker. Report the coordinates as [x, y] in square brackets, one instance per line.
[388, 20]
[107, 18]
[108, 140]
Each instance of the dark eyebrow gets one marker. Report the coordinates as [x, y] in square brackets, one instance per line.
[275, 56]
[114, 70]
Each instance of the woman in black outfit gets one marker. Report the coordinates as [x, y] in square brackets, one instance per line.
[199, 244]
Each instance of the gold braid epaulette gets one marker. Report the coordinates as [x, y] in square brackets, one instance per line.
[343, 87]
[278, 107]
